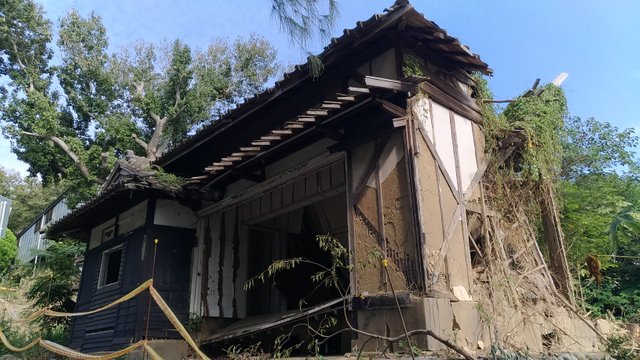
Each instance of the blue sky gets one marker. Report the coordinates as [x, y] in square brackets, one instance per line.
[596, 42]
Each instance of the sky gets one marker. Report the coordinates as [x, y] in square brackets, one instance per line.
[596, 42]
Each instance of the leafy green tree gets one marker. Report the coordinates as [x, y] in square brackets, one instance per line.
[28, 195]
[591, 146]
[8, 250]
[53, 284]
[72, 119]
[600, 192]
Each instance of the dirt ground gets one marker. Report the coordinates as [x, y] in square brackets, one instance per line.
[12, 305]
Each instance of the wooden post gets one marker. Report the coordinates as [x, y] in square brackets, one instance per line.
[554, 238]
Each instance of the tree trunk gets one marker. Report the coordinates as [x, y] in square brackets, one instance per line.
[554, 238]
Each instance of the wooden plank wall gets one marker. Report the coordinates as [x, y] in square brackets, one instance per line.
[117, 327]
[114, 327]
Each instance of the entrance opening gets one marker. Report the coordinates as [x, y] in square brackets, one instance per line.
[293, 235]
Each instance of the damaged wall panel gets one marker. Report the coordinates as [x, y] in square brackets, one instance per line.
[384, 199]
[445, 162]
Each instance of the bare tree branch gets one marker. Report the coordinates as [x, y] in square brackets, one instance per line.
[81, 166]
[22, 65]
[140, 142]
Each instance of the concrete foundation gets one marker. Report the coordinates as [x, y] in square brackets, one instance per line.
[469, 325]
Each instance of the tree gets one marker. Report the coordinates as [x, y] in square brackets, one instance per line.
[8, 250]
[72, 119]
[53, 284]
[305, 20]
[600, 191]
[29, 197]
[591, 146]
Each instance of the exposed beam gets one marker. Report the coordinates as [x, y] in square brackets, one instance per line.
[330, 106]
[250, 148]
[359, 90]
[392, 108]
[271, 137]
[443, 94]
[317, 112]
[223, 163]
[214, 168]
[282, 132]
[251, 161]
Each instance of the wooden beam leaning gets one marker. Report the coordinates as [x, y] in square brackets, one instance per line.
[392, 108]
[448, 235]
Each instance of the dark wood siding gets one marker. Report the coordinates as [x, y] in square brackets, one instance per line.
[115, 328]
[171, 278]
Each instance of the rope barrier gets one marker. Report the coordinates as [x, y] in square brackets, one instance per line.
[65, 351]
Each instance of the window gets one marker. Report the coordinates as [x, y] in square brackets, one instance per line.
[110, 266]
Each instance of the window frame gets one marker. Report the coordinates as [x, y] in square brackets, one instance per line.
[104, 264]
